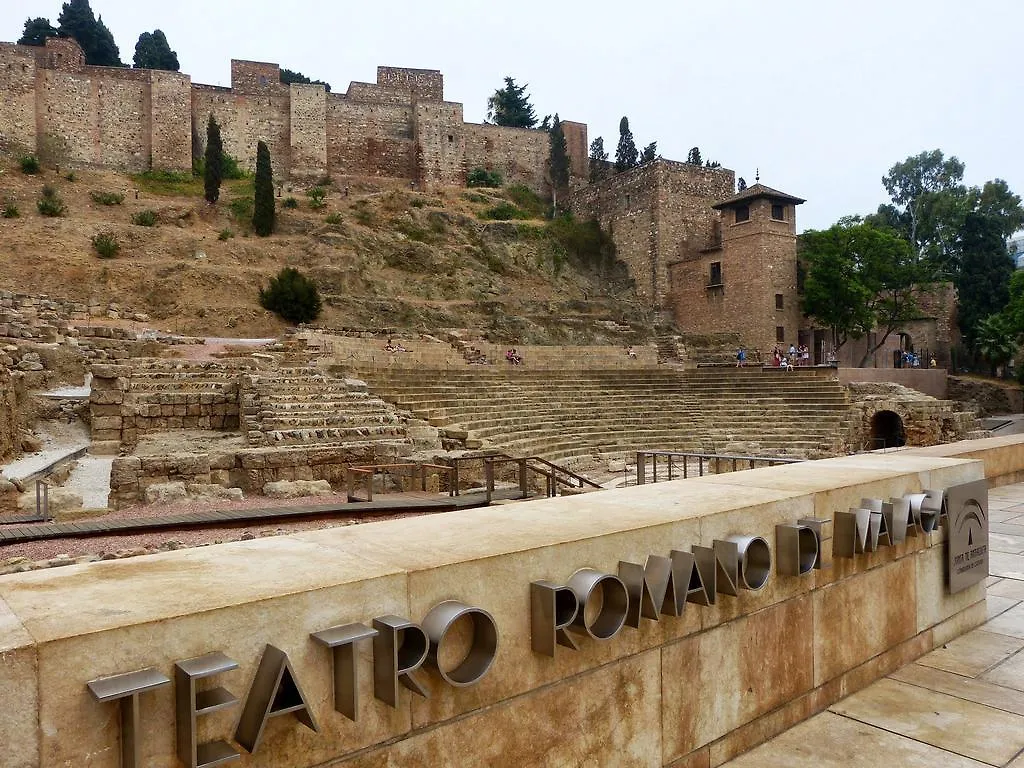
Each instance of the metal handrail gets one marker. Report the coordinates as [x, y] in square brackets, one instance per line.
[553, 475]
[369, 472]
[641, 462]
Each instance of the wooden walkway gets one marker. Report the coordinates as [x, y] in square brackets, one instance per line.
[16, 532]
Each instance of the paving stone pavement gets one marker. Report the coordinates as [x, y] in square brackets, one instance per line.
[960, 705]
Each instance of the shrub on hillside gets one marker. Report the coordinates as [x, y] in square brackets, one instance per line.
[585, 240]
[481, 177]
[225, 234]
[527, 199]
[50, 203]
[316, 197]
[504, 212]
[11, 210]
[29, 165]
[106, 198]
[146, 218]
[334, 218]
[105, 245]
[290, 202]
[292, 296]
[71, 176]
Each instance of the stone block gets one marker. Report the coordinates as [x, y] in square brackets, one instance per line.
[754, 664]
[290, 489]
[18, 724]
[165, 493]
[101, 423]
[125, 471]
[861, 616]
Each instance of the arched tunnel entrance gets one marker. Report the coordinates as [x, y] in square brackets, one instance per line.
[887, 430]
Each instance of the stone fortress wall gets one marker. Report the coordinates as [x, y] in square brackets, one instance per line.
[136, 120]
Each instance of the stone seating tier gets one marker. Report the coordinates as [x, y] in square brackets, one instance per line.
[561, 414]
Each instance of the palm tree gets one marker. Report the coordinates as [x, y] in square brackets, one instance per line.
[995, 341]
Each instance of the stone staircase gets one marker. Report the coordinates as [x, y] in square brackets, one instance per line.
[301, 406]
[565, 415]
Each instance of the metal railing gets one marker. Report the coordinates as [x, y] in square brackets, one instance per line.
[709, 460]
[553, 475]
[354, 475]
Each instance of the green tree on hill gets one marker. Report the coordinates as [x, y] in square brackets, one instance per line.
[558, 162]
[152, 51]
[291, 295]
[510, 106]
[213, 165]
[860, 278]
[263, 205]
[626, 154]
[77, 20]
[36, 31]
[288, 77]
[598, 160]
[650, 153]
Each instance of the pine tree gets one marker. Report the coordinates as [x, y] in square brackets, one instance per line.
[213, 165]
[558, 161]
[263, 205]
[152, 51]
[510, 106]
[598, 160]
[650, 153]
[694, 157]
[36, 31]
[76, 20]
[625, 154]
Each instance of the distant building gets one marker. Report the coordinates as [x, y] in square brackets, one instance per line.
[1015, 246]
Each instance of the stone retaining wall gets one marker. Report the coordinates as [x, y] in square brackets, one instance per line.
[683, 691]
[8, 416]
[248, 469]
[121, 411]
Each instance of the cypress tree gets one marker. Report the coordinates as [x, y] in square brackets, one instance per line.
[598, 160]
[213, 166]
[77, 20]
[625, 154]
[263, 207]
[650, 153]
[558, 160]
[36, 31]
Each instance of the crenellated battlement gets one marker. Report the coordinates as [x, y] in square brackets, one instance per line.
[73, 114]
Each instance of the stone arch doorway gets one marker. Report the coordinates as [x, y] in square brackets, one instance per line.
[887, 430]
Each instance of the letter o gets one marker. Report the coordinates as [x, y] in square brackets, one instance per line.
[585, 583]
[482, 650]
[755, 561]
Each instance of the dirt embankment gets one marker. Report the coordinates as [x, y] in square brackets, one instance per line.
[383, 257]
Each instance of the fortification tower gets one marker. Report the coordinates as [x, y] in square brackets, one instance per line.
[745, 281]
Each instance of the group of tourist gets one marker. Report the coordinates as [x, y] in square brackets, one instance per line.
[392, 347]
[513, 356]
[796, 356]
[476, 356]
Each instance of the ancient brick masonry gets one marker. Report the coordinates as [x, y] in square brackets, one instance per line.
[129, 119]
[8, 425]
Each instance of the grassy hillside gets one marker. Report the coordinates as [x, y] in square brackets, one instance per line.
[382, 255]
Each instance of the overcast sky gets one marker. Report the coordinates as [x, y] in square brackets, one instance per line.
[822, 96]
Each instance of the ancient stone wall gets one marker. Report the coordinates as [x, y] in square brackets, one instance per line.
[248, 469]
[18, 105]
[124, 408]
[246, 118]
[133, 119]
[8, 419]
[421, 84]
[518, 154]
[440, 143]
[366, 139]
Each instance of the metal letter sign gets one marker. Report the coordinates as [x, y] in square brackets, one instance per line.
[967, 534]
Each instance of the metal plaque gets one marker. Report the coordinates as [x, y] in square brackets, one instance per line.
[967, 534]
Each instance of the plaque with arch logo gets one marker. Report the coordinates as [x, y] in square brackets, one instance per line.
[967, 535]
